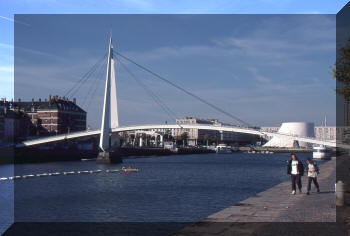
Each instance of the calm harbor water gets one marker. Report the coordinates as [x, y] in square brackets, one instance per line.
[166, 189]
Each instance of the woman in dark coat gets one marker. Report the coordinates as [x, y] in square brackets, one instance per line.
[296, 170]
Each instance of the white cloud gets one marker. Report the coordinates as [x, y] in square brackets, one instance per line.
[306, 37]
[5, 45]
[6, 69]
[138, 4]
[258, 76]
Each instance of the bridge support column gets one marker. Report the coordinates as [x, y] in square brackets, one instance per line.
[115, 142]
[161, 140]
[140, 141]
[109, 157]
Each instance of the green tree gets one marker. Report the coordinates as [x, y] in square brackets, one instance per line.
[123, 138]
[341, 71]
[137, 140]
[206, 139]
[166, 137]
[144, 139]
[132, 138]
[184, 137]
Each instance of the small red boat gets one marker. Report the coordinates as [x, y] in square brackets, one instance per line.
[129, 169]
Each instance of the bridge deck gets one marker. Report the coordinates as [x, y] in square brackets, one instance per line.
[184, 126]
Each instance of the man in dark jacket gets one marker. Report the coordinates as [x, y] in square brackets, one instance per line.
[295, 169]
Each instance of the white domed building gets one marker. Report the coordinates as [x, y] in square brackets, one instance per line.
[304, 129]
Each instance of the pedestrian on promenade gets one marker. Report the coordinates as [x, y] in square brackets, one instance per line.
[295, 169]
[312, 172]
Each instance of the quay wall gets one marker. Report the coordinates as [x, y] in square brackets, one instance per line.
[36, 155]
[275, 149]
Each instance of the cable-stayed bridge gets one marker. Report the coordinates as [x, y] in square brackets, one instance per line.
[82, 134]
[110, 121]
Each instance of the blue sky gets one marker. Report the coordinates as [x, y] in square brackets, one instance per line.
[265, 78]
[247, 64]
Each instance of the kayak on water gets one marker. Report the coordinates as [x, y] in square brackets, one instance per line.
[129, 169]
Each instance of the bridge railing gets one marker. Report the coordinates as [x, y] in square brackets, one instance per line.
[57, 137]
[151, 126]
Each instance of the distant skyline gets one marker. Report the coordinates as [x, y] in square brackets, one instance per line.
[265, 69]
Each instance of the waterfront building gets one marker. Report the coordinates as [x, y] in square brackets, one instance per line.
[196, 136]
[53, 116]
[143, 138]
[303, 129]
[17, 126]
[332, 132]
[191, 137]
[320, 132]
[13, 124]
[271, 129]
[2, 119]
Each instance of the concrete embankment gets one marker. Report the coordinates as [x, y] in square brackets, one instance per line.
[274, 149]
[277, 205]
[131, 152]
[36, 155]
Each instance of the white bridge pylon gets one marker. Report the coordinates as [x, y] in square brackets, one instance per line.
[110, 106]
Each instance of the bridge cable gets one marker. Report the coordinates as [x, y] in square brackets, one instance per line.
[89, 75]
[96, 87]
[94, 83]
[154, 96]
[84, 78]
[72, 91]
[184, 90]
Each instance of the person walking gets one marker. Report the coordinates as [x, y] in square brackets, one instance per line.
[312, 172]
[295, 169]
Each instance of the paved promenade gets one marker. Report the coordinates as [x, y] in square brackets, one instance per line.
[276, 205]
